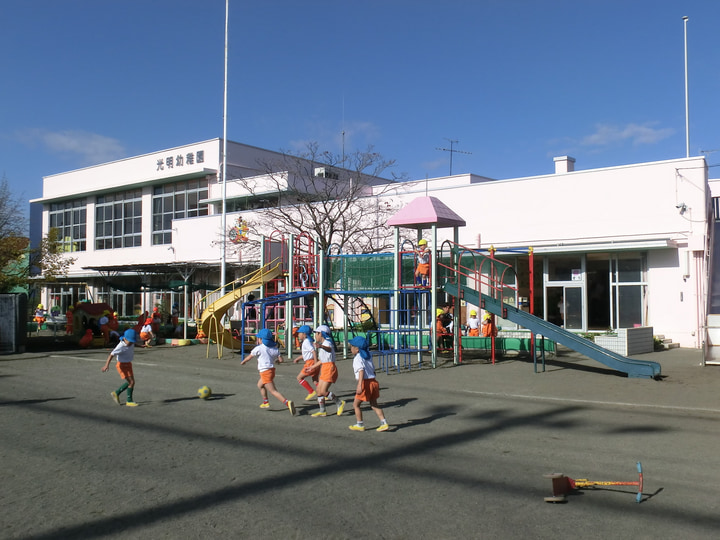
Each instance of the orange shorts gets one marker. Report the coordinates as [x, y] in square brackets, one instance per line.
[328, 372]
[423, 269]
[370, 390]
[145, 336]
[267, 376]
[124, 369]
[475, 332]
[307, 372]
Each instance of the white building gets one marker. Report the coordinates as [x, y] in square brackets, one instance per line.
[613, 247]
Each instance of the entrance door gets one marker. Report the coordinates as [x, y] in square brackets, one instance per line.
[565, 306]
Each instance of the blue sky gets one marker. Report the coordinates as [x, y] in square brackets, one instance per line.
[516, 82]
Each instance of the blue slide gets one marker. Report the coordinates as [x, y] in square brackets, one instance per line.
[633, 368]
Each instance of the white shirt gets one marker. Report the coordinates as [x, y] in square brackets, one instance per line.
[123, 353]
[266, 356]
[474, 323]
[366, 366]
[307, 350]
[325, 356]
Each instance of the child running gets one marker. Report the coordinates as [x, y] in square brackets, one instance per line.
[328, 370]
[368, 388]
[307, 350]
[267, 354]
[124, 353]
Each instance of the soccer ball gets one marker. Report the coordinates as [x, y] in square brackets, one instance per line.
[204, 392]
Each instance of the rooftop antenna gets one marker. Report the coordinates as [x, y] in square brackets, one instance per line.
[452, 151]
[343, 131]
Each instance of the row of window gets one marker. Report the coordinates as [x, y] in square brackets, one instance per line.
[118, 216]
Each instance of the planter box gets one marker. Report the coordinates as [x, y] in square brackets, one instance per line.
[629, 341]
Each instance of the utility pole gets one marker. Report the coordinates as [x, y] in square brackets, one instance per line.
[452, 151]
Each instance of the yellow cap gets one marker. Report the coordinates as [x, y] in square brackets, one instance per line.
[40, 306]
[473, 312]
[438, 311]
[422, 242]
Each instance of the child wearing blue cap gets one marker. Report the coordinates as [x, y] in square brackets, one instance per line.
[307, 353]
[124, 351]
[267, 353]
[368, 388]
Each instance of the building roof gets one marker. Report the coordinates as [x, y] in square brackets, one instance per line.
[425, 212]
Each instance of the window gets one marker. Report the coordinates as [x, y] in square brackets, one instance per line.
[176, 201]
[118, 220]
[69, 218]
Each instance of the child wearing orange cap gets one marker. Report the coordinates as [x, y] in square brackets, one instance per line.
[146, 333]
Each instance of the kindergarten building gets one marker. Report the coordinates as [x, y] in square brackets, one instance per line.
[612, 248]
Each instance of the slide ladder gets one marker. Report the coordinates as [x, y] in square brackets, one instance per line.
[633, 368]
[211, 319]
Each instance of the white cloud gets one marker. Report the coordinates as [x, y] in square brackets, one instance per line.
[91, 148]
[606, 134]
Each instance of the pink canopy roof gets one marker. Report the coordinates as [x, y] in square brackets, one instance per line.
[424, 212]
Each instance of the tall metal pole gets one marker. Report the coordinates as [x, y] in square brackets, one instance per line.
[223, 256]
[687, 108]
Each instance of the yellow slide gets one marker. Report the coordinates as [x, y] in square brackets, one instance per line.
[211, 318]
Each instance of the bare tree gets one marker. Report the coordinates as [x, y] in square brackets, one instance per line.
[334, 198]
[13, 241]
[50, 257]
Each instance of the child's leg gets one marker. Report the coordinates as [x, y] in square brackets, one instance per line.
[376, 408]
[274, 391]
[131, 387]
[358, 411]
[301, 380]
[322, 390]
[263, 391]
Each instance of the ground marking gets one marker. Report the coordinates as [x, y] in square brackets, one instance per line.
[95, 359]
[592, 402]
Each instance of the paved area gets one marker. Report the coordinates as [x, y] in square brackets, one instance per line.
[465, 457]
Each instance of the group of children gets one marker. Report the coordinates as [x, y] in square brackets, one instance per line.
[317, 350]
[318, 354]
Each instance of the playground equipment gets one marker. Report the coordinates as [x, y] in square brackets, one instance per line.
[469, 273]
[211, 320]
[562, 485]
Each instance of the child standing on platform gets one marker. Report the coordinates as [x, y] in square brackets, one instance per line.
[368, 388]
[307, 350]
[267, 354]
[422, 270]
[328, 370]
[124, 353]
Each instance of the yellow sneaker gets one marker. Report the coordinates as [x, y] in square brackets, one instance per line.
[355, 427]
[131, 404]
[264, 405]
[115, 397]
[341, 407]
[312, 395]
[319, 413]
[291, 407]
[383, 427]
